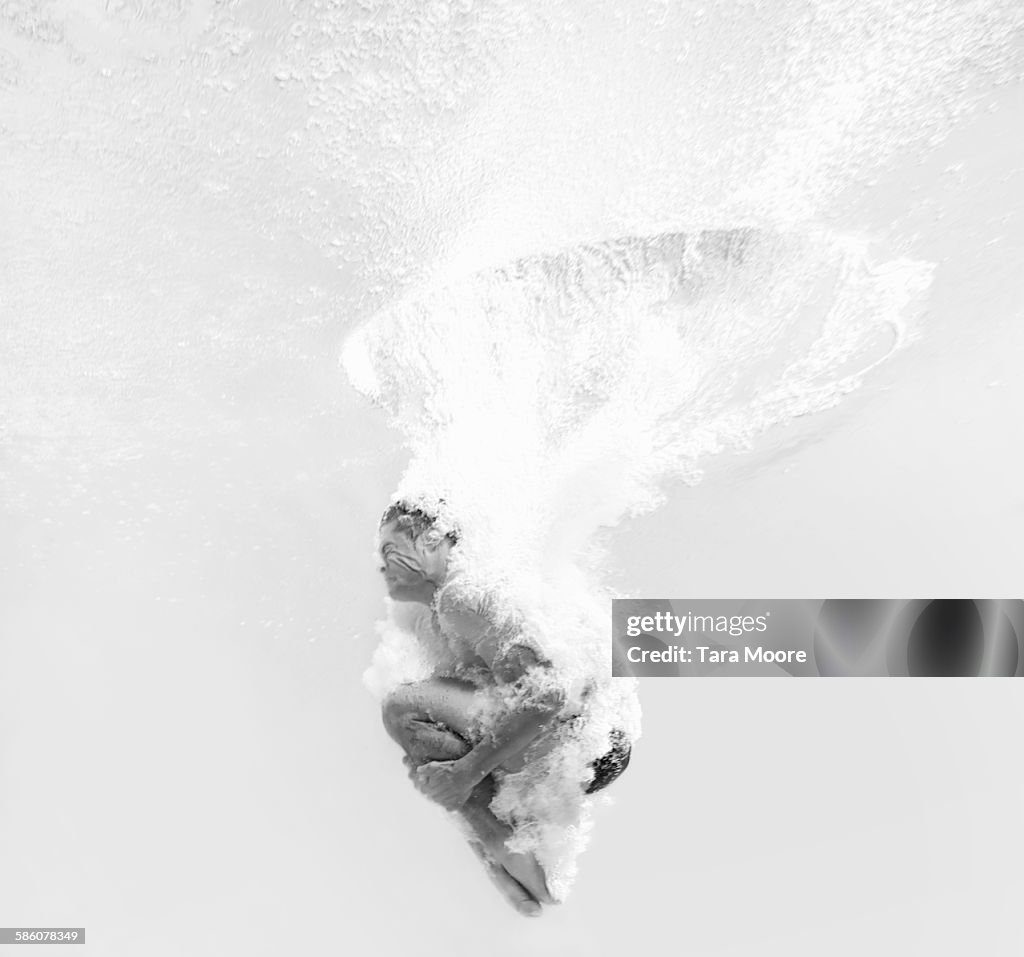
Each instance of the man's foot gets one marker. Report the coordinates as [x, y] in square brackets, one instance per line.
[514, 892]
[526, 871]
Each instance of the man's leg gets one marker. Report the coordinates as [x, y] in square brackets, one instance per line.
[433, 721]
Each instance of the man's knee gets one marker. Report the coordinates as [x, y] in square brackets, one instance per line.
[398, 708]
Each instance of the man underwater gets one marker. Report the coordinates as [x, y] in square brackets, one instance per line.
[492, 705]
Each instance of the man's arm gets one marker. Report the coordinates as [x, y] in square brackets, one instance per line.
[516, 729]
[451, 782]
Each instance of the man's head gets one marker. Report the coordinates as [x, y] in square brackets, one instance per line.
[414, 551]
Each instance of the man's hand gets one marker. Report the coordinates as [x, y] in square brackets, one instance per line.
[448, 783]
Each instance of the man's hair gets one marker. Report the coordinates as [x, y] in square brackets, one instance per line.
[416, 522]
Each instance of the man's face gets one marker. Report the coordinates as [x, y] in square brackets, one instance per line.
[407, 567]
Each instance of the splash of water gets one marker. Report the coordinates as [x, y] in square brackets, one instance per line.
[551, 396]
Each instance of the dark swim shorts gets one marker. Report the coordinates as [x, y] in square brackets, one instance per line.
[611, 764]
